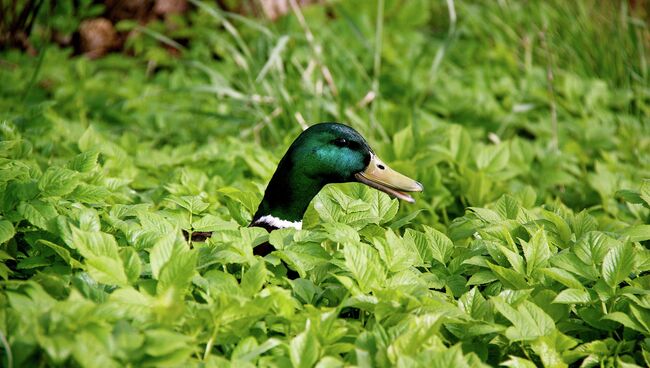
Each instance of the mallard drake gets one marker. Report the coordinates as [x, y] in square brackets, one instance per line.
[322, 154]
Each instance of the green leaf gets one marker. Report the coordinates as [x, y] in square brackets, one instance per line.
[5, 271]
[89, 348]
[459, 143]
[441, 246]
[642, 316]
[419, 330]
[618, 264]
[516, 362]
[330, 362]
[561, 227]
[101, 254]
[89, 139]
[573, 296]
[254, 278]
[584, 223]
[193, 204]
[527, 196]
[94, 243]
[161, 252]
[644, 191]
[493, 158]
[637, 233]
[486, 215]
[592, 247]
[378, 207]
[62, 252]
[422, 244]
[509, 278]
[178, 271]
[84, 162]
[156, 223]
[479, 188]
[382, 206]
[403, 142]
[363, 263]
[131, 262]
[629, 196]
[304, 349]
[341, 233]
[481, 277]
[536, 251]
[507, 207]
[333, 205]
[86, 193]
[221, 282]
[211, 223]
[93, 140]
[395, 253]
[625, 320]
[7, 231]
[515, 260]
[282, 238]
[57, 181]
[160, 342]
[474, 304]
[528, 321]
[304, 257]
[405, 220]
[562, 276]
[106, 270]
[31, 262]
[257, 350]
[551, 348]
[38, 213]
[570, 262]
[89, 219]
[248, 199]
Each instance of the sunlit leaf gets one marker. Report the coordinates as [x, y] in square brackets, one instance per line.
[38, 213]
[254, 278]
[618, 264]
[57, 181]
[362, 262]
[573, 296]
[7, 231]
[304, 349]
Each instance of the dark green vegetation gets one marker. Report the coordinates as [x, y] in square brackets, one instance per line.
[529, 126]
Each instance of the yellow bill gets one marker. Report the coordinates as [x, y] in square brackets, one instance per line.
[379, 176]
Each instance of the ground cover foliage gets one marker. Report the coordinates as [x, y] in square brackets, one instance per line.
[527, 123]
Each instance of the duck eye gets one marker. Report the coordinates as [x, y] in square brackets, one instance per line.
[341, 142]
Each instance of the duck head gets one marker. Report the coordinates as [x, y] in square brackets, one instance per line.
[325, 153]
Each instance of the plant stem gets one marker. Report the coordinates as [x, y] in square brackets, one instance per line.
[5, 344]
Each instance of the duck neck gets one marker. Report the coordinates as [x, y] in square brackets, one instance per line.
[287, 196]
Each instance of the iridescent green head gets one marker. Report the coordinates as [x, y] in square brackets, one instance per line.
[326, 153]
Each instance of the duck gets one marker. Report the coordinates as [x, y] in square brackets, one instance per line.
[324, 153]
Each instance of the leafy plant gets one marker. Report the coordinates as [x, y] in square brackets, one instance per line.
[528, 247]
